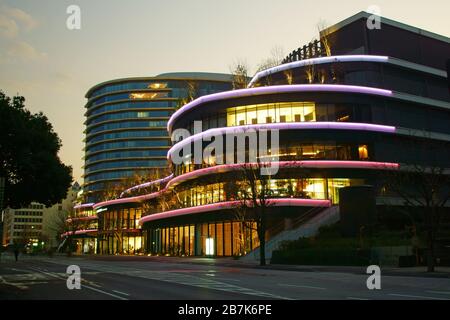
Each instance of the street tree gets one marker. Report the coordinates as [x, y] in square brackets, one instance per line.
[29, 159]
[254, 196]
[424, 190]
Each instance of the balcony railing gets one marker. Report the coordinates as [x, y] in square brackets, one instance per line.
[313, 49]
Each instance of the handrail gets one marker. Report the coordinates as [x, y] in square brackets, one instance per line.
[313, 49]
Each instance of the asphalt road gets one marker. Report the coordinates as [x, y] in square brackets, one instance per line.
[161, 279]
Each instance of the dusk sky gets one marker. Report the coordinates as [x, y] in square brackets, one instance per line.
[53, 67]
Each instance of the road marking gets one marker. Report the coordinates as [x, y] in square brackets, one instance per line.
[226, 279]
[104, 292]
[438, 292]
[413, 296]
[178, 278]
[84, 285]
[356, 298]
[299, 286]
[120, 292]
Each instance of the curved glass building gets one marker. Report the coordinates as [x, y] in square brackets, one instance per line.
[126, 123]
[342, 118]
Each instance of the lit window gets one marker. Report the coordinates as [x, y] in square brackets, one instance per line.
[363, 152]
[148, 95]
[209, 246]
[157, 85]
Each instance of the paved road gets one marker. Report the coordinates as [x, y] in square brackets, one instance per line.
[159, 278]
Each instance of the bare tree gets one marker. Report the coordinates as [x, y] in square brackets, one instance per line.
[275, 58]
[424, 189]
[255, 197]
[240, 74]
[324, 33]
[114, 189]
[192, 93]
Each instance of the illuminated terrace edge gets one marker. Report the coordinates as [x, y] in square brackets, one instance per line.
[230, 167]
[319, 60]
[274, 90]
[232, 204]
[206, 135]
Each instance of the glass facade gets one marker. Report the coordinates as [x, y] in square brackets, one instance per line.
[283, 112]
[292, 150]
[225, 238]
[119, 231]
[271, 113]
[131, 105]
[127, 119]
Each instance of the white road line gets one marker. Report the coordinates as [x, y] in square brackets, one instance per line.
[299, 286]
[413, 296]
[356, 298]
[438, 292]
[104, 292]
[120, 292]
[84, 285]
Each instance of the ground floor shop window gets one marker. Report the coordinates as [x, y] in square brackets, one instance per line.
[207, 239]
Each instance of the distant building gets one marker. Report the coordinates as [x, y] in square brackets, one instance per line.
[36, 226]
[54, 217]
[24, 226]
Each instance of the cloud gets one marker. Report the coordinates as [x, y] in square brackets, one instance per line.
[13, 20]
[23, 51]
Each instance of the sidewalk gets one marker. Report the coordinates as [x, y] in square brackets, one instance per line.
[440, 272]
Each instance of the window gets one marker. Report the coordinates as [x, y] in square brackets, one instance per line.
[363, 152]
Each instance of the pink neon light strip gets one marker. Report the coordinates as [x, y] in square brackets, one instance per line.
[208, 134]
[286, 164]
[230, 167]
[78, 232]
[82, 218]
[147, 184]
[320, 60]
[232, 204]
[129, 199]
[84, 205]
[274, 90]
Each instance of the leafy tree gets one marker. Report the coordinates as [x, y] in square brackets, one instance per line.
[29, 159]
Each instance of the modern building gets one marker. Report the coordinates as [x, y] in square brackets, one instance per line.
[35, 226]
[348, 109]
[24, 226]
[126, 135]
[54, 216]
[126, 124]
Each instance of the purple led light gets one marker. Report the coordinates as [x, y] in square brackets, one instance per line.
[129, 199]
[82, 218]
[230, 167]
[314, 61]
[78, 232]
[84, 205]
[232, 204]
[147, 184]
[285, 164]
[206, 135]
[273, 90]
